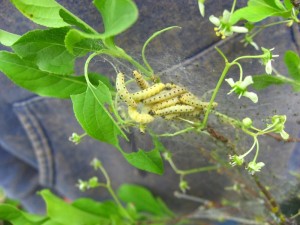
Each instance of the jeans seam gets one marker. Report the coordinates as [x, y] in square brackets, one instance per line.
[38, 139]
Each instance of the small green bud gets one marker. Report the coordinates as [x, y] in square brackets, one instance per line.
[278, 122]
[236, 160]
[82, 185]
[96, 164]
[183, 185]
[167, 156]
[254, 167]
[93, 182]
[247, 122]
[75, 138]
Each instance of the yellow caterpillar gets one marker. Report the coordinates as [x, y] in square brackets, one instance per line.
[174, 109]
[192, 100]
[165, 104]
[194, 114]
[123, 92]
[148, 92]
[142, 83]
[170, 86]
[142, 118]
[164, 95]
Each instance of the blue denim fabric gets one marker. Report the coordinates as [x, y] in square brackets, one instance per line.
[34, 149]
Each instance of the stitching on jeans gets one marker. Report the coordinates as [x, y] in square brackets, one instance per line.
[38, 140]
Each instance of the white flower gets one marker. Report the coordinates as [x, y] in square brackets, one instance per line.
[269, 66]
[240, 87]
[223, 26]
[267, 59]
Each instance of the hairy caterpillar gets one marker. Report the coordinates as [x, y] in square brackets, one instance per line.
[174, 109]
[142, 118]
[148, 92]
[142, 83]
[165, 104]
[123, 92]
[164, 95]
[192, 100]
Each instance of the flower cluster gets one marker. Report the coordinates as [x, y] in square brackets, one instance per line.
[277, 126]
[85, 185]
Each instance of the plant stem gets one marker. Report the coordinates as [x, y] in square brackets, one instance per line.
[250, 150]
[233, 7]
[191, 171]
[275, 208]
[262, 27]
[112, 193]
[227, 67]
[86, 67]
[176, 133]
[248, 57]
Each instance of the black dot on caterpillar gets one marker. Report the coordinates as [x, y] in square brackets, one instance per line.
[192, 100]
[164, 95]
[174, 109]
[148, 92]
[164, 104]
[123, 92]
[142, 118]
[169, 86]
[141, 82]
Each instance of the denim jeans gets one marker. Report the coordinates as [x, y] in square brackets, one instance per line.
[34, 149]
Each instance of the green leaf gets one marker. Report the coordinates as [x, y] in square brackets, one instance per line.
[103, 209]
[51, 222]
[117, 15]
[47, 49]
[17, 217]
[288, 4]
[79, 43]
[143, 200]
[149, 161]
[292, 62]
[264, 81]
[28, 76]
[258, 10]
[8, 39]
[91, 112]
[71, 19]
[96, 77]
[296, 86]
[252, 14]
[64, 213]
[43, 12]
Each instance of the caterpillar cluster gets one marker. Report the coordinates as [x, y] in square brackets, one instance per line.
[168, 101]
